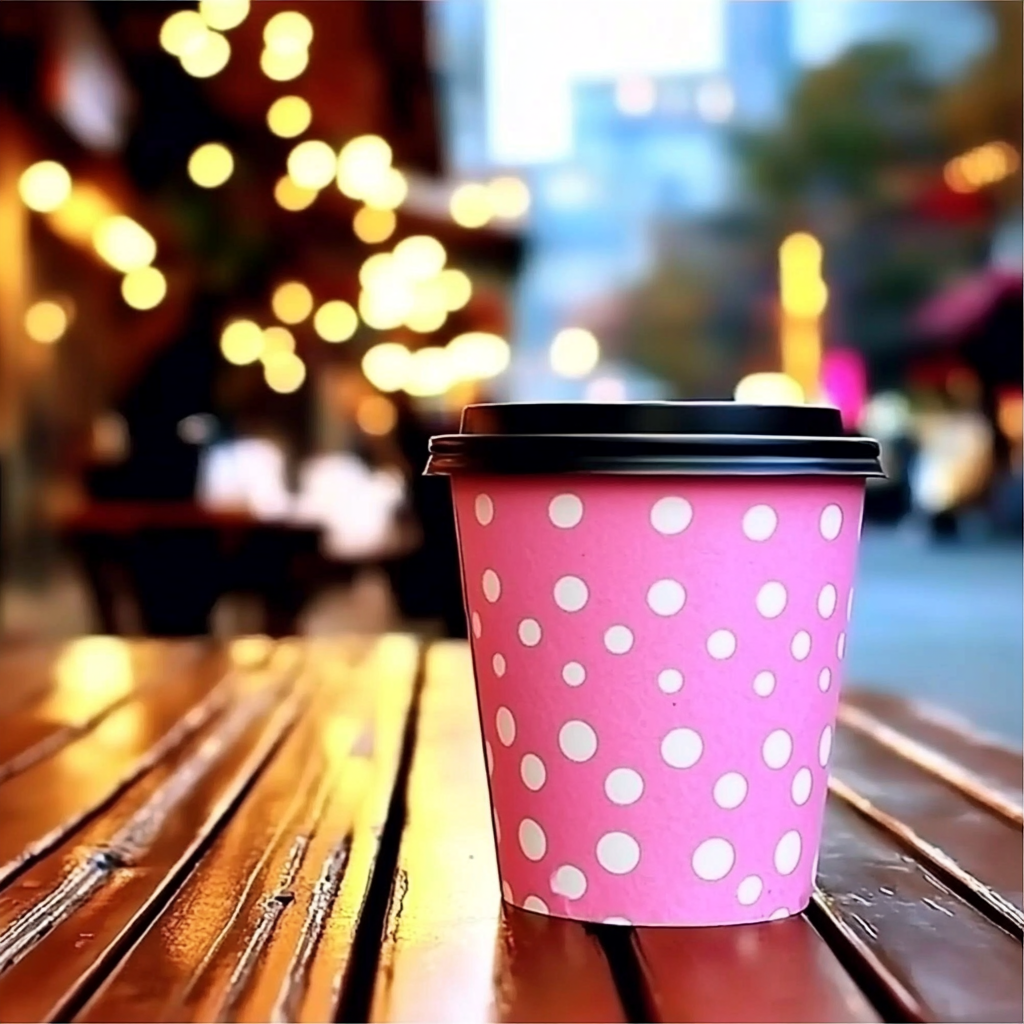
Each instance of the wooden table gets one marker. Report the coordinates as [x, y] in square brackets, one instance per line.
[300, 831]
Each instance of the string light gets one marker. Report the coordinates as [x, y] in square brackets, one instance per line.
[223, 14]
[372, 225]
[376, 268]
[509, 198]
[183, 31]
[288, 32]
[45, 322]
[144, 288]
[478, 355]
[241, 342]
[388, 192]
[209, 57]
[470, 205]
[574, 352]
[44, 186]
[335, 321]
[312, 164]
[289, 116]
[290, 196]
[284, 372]
[363, 165]
[419, 257]
[283, 67]
[385, 365]
[211, 165]
[455, 287]
[292, 302]
[430, 373]
[124, 244]
[78, 217]
[277, 339]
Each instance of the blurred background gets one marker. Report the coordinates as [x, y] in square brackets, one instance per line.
[254, 255]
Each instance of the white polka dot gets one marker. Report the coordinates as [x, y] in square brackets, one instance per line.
[849, 606]
[670, 680]
[532, 840]
[824, 679]
[777, 749]
[787, 853]
[825, 746]
[569, 881]
[498, 664]
[682, 748]
[713, 859]
[506, 892]
[565, 511]
[477, 625]
[571, 593]
[573, 673]
[532, 771]
[618, 920]
[671, 515]
[778, 915]
[801, 787]
[841, 647]
[491, 585]
[624, 786]
[529, 632]
[489, 751]
[831, 522]
[536, 904]
[506, 726]
[827, 601]
[749, 890]
[730, 790]
[618, 852]
[666, 597]
[759, 522]
[721, 644]
[577, 741]
[484, 508]
[771, 599]
[618, 639]
[764, 684]
[801, 645]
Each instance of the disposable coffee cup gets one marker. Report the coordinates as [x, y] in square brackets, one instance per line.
[658, 597]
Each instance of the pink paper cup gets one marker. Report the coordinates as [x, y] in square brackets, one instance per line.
[658, 660]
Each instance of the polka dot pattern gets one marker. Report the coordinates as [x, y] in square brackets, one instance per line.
[610, 619]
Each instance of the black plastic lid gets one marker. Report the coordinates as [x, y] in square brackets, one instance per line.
[719, 438]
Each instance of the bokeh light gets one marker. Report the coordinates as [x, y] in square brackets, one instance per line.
[376, 269]
[288, 32]
[363, 166]
[183, 31]
[284, 372]
[289, 116]
[44, 186]
[124, 243]
[312, 164]
[470, 205]
[78, 217]
[509, 197]
[385, 365]
[478, 355]
[209, 58]
[769, 389]
[46, 322]
[223, 14]
[387, 192]
[372, 225]
[241, 342]
[385, 307]
[211, 165]
[290, 196]
[283, 67]
[419, 257]
[292, 302]
[144, 288]
[376, 415]
[335, 321]
[430, 373]
[574, 352]
[456, 288]
[276, 339]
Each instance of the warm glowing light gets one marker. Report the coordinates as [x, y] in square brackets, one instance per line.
[385, 307]
[419, 257]
[456, 288]
[77, 219]
[509, 197]
[124, 243]
[44, 186]
[223, 14]
[95, 666]
[372, 225]
[769, 389]
[574, 352]
[288, 32]
[211, 165]
[1010, 416]
[635, 96]
[981, 166]
[183, 31]
[800, 345]
[144, 288]
[470, 205]
[209, 58]
[363, 166]
[289, 116]
[376, 415]
[45, 322]
[292, 302]
[290, 196]
[425, 317]
[283, 67]
[277, 339]
[335, 321]
[250, 651]
[715, 101]
[284, 372]
[377, 269]
[802, 291]
[241, 342]
[312, 163]
[430, 373]
[386, 365]
[388, 191]
[478, 355]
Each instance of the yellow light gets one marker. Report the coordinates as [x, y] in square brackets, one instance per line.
[478, 355]
[376, 415]
[376, 269]
[78, 218]
[372, 225]
[509, 198]
[419, 257]
[284, 372]
[430, 373]
[574, 352]
[801, 251]
[363, 165]
[277, 339]
[45, 322]
[470, 205]
[292, 302]
[124, 243]
[312, 163]
[388, 192]
[385, 306]
[241, 342]
[289, 116]
[290, 196]
[800, 345]
[223, 14]
[207, 59]
[44, 186]
[425, 318]
[386, 365]
[335, 321]
[211, 165]
[287, 33]
[769, 389]
[95, 666]
[144, 288]
[183, 31]
[955, 177]
[456, 288]
[283, 67]
[802, 292]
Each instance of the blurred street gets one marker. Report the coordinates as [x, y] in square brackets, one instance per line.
[944, 624]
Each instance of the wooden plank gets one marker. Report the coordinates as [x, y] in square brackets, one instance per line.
[921, 951]
[448, 953]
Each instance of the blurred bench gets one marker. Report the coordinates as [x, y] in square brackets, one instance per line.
[300, 831]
